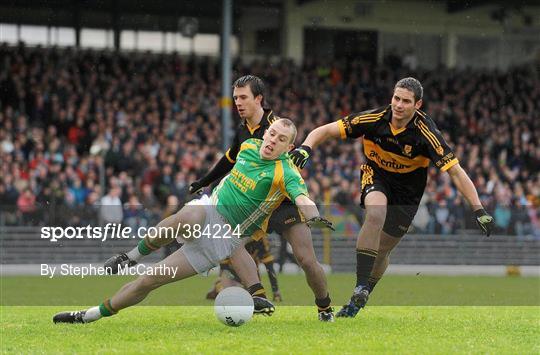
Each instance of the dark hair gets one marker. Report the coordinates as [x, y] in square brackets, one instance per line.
[255, 84]
[413, 85]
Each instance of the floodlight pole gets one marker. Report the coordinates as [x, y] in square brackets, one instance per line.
[226, 68]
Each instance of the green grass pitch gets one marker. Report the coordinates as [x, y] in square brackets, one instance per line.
[406, 314]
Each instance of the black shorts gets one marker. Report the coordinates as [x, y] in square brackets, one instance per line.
[284, 217]
[401, 208]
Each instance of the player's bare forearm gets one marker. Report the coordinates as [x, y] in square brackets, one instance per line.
[465, 186]
[321, 134]
[307, 207]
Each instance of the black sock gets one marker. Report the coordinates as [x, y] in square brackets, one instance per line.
[365, 258]
[372, 282]
[257, 290]
[323, 303]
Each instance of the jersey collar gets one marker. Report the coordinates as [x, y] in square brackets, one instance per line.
[388, 117]
[264, 123]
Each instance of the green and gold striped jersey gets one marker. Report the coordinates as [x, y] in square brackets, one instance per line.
[255, 187]
[399, 156]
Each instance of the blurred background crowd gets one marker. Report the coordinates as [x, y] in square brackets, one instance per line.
[149, 124]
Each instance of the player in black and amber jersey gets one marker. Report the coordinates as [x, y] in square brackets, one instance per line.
[248, 95]
[399, 142]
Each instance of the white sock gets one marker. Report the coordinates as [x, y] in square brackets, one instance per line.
[134, 254]
[92, 314]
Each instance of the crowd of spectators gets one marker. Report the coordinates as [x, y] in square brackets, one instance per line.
[149, 124]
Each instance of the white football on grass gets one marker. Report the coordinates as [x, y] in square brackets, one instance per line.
[234, 306]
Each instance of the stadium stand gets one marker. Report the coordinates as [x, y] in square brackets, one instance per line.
[153, 121]
[23, 245]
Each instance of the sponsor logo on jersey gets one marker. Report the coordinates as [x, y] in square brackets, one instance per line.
[392, 162]
[387, 163]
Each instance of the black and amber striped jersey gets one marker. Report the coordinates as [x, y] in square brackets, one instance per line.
[259, 249]
[245, 132]
[399, 156]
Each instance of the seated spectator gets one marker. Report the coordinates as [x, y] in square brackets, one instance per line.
[165, 132]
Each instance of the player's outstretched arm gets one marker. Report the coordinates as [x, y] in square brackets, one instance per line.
[311, 213]
[300, 156]
[321, 134]
[467, 189]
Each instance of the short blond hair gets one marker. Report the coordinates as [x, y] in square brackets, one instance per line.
[288, 123]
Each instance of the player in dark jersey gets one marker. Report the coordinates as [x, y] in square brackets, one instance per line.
[399, 142]
[260, 251]
[248, 95]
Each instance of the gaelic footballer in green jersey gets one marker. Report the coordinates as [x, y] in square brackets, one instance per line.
[269, 182]
[286, 220]
[250, 188]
